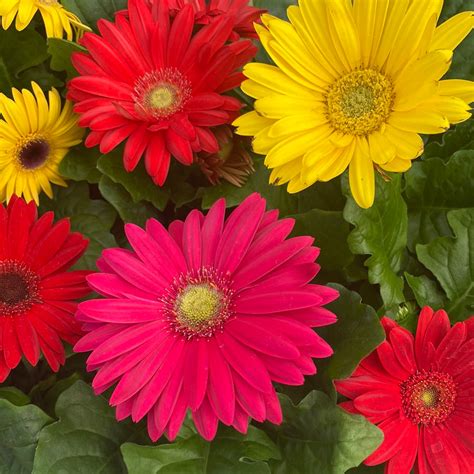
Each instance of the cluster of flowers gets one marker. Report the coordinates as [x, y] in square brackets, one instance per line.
[204, 316]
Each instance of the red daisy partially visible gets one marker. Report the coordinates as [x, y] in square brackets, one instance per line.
[419, 391]
[152, 79]
[37, 292]
[242, 14]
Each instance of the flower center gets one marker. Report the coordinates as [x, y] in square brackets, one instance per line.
[160, 94]
[360, 102]
[33, 152]
[198, 303]
[19, 288]
[428, 397]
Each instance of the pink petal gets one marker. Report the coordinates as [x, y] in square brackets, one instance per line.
[245, 362]
[212, 231]
[205, 420]
[262, 338]
[239, 232]
[192, 242]
[122, 311]
[221, 386]
[196, 371]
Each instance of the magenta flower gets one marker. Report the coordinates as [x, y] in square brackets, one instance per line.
[204, 317]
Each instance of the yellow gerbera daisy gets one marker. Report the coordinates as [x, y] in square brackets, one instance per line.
[34, 138]
[355, 83]
[57, 20]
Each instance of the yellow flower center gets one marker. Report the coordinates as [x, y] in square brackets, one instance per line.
[162, 97]
[360, 102]
[430, 397]
[32, 152]
[197, 305]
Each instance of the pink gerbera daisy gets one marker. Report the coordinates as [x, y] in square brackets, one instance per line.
[419, 393]
[204, 317]
[158, 83]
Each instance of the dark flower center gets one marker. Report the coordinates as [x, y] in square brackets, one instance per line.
[34, 154]
[428, 397]
[19, 288]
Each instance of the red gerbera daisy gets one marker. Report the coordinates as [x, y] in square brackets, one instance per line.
[204, 317]
[152, 80]
[242, 14]
[419, 393]
[36, 291]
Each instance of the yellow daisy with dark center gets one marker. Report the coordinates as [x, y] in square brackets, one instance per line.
[58, 22]
[355, 83]
[35, 135]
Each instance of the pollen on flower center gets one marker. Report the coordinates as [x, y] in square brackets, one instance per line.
[19, 288]
[198, 303]
[32, 152]
[360, 102]
[428, 397]
[160, 94]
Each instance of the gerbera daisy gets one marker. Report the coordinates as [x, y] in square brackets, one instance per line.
[37, 292]
[242, 14]
[34, 138]
[232, 162]
[355, 83]
[152, 81]
[58, 22]
[204, 317]
[419, 393]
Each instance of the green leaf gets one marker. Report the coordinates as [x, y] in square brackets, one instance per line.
[355, 335]
[15, 396]
[318, 436]
[275, 7]
[116, 195]
[80, 164]
[426, 291]
[460, 137]
[330, 231]
[451, 260]
[89, 12]
[139, 185]
[324, 196]
[433, 188]
[93, 218]
[20, 427]
[381, 231]
[60, 51]
[230, 453]
[29, 51]
[86, 439]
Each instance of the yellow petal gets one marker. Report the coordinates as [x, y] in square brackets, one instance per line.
[408, 145]
[263, 143]
[285, 173]
[6, 6]
[296, 124]
[272, 78]
[305, 33]
[8, 18]
[420, 120]
[397, 165]
[419, 80]
[293, 147]
[31, 107]
[43, 108]
[338, 165]
[254, 89]
[394, 17]
[294, 50]
[449, 34]
[296, 185]
[315, 16]
[410, 34]
[344, 32]
[381, 149]
[361, 175]
[26, 11]
[369, 16]
[453, 108]
[457, 88]
[279, 106]
[251, 123]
